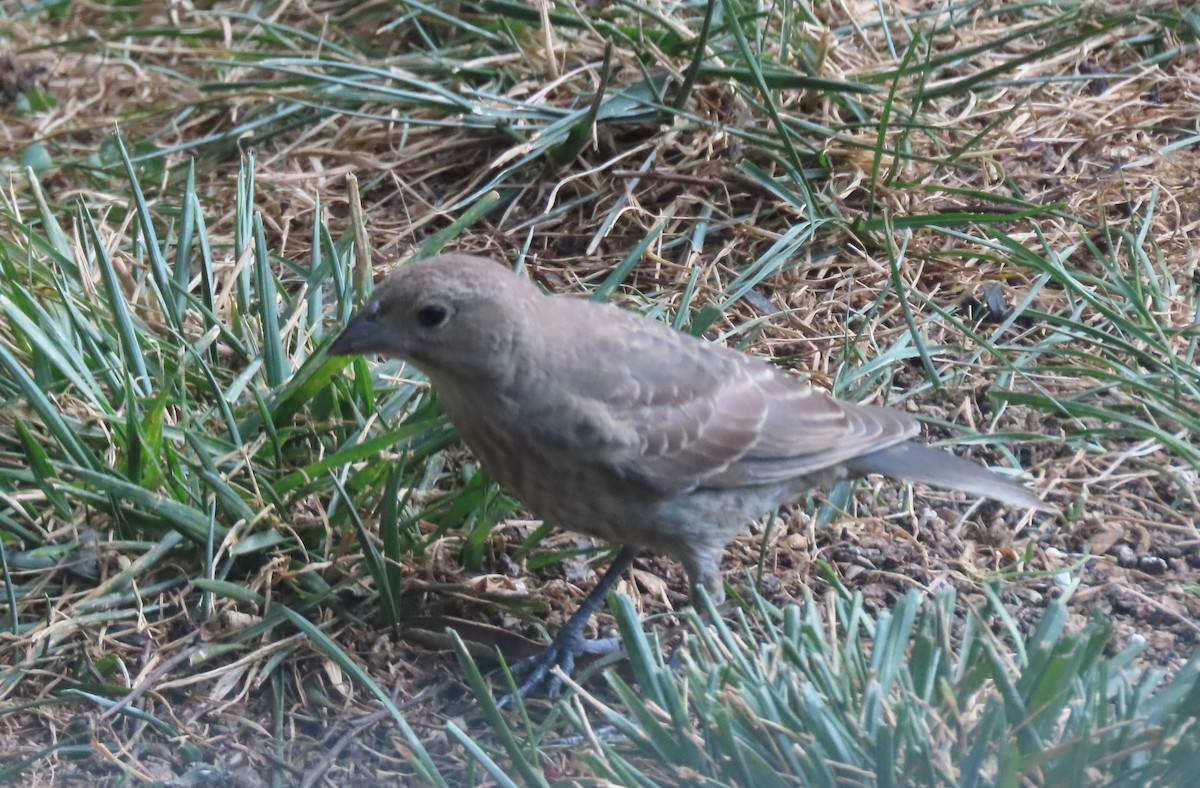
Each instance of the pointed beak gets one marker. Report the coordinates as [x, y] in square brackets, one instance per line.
[359, 336]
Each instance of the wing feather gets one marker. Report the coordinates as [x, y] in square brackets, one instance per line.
[677, 413]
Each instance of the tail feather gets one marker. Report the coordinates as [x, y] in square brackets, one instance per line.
[916, 463]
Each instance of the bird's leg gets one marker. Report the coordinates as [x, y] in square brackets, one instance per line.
[570, 642]
[702, 561]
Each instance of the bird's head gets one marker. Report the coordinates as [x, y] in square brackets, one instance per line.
[452, 314]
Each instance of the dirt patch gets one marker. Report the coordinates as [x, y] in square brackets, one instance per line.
[1103, 153]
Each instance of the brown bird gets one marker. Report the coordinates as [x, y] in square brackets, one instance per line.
[614, 425]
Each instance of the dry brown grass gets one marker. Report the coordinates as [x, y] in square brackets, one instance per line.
[1094, 146]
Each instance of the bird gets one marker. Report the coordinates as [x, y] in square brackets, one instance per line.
[615, 425]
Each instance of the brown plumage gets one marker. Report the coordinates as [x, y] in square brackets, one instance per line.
[615, 425]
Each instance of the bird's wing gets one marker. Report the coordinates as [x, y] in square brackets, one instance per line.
[678, 413]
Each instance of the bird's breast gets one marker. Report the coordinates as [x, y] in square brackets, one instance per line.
[564, 481]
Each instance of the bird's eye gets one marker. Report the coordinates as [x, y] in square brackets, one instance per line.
[432, 316]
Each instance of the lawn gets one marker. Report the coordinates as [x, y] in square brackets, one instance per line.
[228, 557]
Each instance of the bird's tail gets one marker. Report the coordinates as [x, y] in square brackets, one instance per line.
[916, 463]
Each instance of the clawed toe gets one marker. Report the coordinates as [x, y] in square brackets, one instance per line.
[538, 671]
[536, 674]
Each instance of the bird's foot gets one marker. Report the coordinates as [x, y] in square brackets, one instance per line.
[537, 672]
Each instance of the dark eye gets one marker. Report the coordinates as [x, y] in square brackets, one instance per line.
[432, 316]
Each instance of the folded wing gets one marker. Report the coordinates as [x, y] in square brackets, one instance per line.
[678, 413]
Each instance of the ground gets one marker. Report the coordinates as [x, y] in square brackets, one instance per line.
[1095, 411]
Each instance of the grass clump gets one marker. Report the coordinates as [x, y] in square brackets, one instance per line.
[828, 694]
[217, 541]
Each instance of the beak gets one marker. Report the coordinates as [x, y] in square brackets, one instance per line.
[359, 336]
